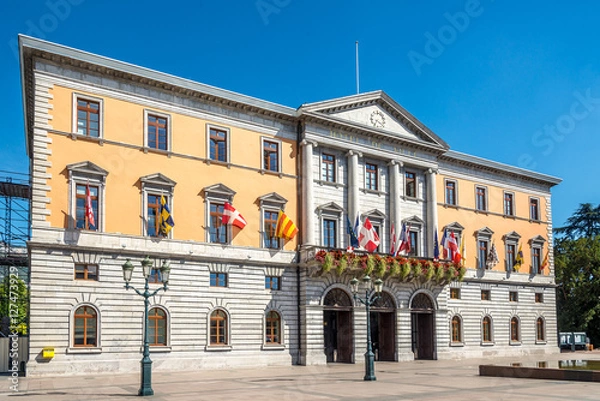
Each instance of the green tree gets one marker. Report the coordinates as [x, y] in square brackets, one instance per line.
[14, 304]
[585, 222]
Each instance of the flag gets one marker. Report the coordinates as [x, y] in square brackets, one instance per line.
[89, 210]
[450, 245]
[393, 240]
[436, 248]
[519, 258]
[463, 251]
[166, 220]
[232, 216]
[404, 241]
[492, 257]
[544, 262]
[352, 233]
[286, 228]
[453, 243]
[368, 237]
[444, 243]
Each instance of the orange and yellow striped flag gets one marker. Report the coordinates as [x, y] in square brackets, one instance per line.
[285, 227]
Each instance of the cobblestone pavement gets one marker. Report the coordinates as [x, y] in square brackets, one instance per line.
[415, 380]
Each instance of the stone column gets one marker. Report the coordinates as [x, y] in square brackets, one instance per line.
[431, 210]
[308, 197]
[395, 185]
[353, 184]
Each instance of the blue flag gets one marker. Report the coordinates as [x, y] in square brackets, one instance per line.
[352, 233]
[436, 248]
[166, 220]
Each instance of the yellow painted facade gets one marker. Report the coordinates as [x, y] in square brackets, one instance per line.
[465, 214]
[122, 154]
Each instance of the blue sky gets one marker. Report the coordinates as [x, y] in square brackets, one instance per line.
[515, 82]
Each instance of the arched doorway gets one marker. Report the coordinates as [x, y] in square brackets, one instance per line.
[337, 326]
[423, 328]
[383, 328]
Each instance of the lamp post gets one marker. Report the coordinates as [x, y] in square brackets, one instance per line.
[146, 363]
[372, 294]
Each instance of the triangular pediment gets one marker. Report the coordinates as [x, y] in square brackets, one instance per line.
[455, 226]
[375, 111]
[330, 207]
[272, 198]
[375, 214]
[413, 221]
[219, 190]
[513, 235]
[485, 231]
[87, 167]
[158, 179]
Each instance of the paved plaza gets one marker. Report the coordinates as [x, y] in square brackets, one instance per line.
[416, 380]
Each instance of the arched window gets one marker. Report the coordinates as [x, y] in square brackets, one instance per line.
[456, 329]
[273, 328]
[157, 327]
[218, 328]
[514, 329]
[540, 330]
[85, 327]
[486, 329]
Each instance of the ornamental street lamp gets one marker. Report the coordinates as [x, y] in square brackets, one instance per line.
[372, 294]
[146, 363]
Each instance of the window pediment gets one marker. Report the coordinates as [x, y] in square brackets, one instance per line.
[484, 232]
[86, 168]
[375, 214]
[537, 240]
[413, 221]
[218, 191]
[272, 199]
[330, 208]
[455, 226]
[158, 180]
[512, 236]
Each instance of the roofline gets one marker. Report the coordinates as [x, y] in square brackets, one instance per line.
[463, 157]
[28, 42]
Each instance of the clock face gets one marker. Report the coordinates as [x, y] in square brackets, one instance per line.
[377, 119]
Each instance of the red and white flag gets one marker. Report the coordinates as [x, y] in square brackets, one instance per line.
[450, 245]
[89, 210]
[232, 216]
[404, 241]
[368, 237]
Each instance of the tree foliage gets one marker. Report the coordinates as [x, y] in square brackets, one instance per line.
[577, 270]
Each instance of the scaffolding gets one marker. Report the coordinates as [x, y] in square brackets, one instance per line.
[15, 231]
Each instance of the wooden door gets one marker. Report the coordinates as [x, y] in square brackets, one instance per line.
[424, 332]
[387, 336]
[345, 337]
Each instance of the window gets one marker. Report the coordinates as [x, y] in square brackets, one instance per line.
[371, 177]
[157, 327]
[486, 329]
[486, 295]
[454, 293]
[329, 233]
[540, 331]
[157, 131]
[482, 253]
[272, 283]
[509, 204]
[513, 296]
[270, 225]
[451, 192]
[81, 220]
[155, 276]
[511, 252]
[514, 330]
[88, 118]
[413, 237]
[218, 279]
[536, 253]
[270, 155]
[217, 144]
[153, 213]
[456, 330]
[85, 328]
[539, 298]
[411, 185]
[86, 272]
[273, 328]
[218, 328]
[218, 230]
[481, 198]
[328, 167]
[534, 209]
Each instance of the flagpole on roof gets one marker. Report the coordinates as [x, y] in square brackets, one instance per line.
[357, 75]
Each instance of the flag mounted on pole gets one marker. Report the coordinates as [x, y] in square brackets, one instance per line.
[352, 233]
[286, 228]
[166, 220]
[393, 244]
[544, 262]
[492, 257]
[368, 237]
[404, 241]
[436, 248]
[463, 251]
[89, 210]
[519, 258]
[232, 216]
